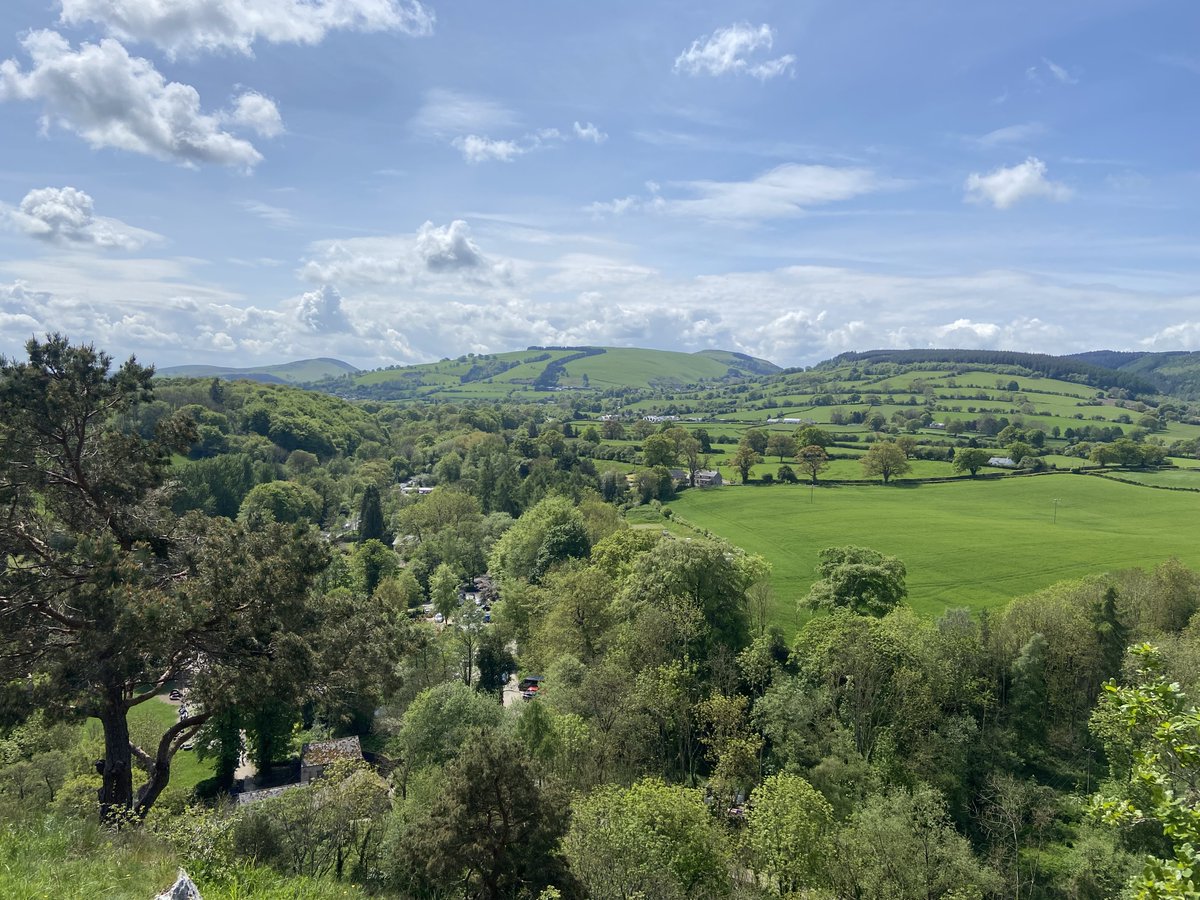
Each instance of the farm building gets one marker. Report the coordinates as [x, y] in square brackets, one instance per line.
[1001, 461]
[319, 754]
[708, 478]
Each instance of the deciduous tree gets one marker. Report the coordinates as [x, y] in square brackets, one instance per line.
[885, 460]
[813, 460]
[859, 578]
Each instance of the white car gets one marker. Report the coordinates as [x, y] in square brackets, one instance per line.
[439, 618]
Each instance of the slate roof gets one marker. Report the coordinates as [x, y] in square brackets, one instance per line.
[322, 753]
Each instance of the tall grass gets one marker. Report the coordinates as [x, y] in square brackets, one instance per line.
[50, 858]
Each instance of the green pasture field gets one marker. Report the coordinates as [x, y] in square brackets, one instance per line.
[967, 543]
[620, 366]
[1174, 478]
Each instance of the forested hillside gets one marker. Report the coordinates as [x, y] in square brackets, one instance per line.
[493, 648]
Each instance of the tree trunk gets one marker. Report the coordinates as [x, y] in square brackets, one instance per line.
[116, 790]
[160, 768]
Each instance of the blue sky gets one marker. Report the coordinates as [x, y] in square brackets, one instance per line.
[387, 181]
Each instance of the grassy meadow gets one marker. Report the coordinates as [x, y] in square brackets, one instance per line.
[973, 544]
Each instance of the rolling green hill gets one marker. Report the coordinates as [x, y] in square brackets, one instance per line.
[598, 369]
[297, 372]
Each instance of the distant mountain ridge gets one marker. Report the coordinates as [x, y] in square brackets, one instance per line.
[550, 368]
[609, 368]
[1171, 371]
[300, 371]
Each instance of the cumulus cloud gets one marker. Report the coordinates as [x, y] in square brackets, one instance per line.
[1179, 336]
[321, 311]
[729, 50]
[258, 113]
[784, 191]
[67, 216]
[235, 25]
[589, 132]
[438, 255]
[19, 308]
[1004, 187]
[112, 99]
[448, 248]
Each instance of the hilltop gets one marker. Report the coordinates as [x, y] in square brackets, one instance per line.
[298, 371]
[598, 369]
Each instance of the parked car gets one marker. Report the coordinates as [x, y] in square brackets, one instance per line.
[439, 618]
[176, 695]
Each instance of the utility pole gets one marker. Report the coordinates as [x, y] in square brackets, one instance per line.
[1055, 519]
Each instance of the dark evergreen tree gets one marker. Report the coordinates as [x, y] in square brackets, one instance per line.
[370, 516]
[1112, 632]
[492, 833]
[1027, 700]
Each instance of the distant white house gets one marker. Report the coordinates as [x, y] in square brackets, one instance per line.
[789, 421]
[1002, 461]
[660, 418]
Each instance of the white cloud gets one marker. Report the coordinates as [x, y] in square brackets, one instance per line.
[446, 114]
[476, 149]
[1180, 336]
[590, 132]
[727, 51]
[448, 248]
[258, 113]
[112, 99]
[442, 256]
[67, 216]
[321, 311]
[479, 148]
[435, 292]
[214, 25]
[1005, 187]
[782, 192]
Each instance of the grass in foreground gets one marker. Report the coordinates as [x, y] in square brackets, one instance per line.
[56, 859]
[974, 544]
